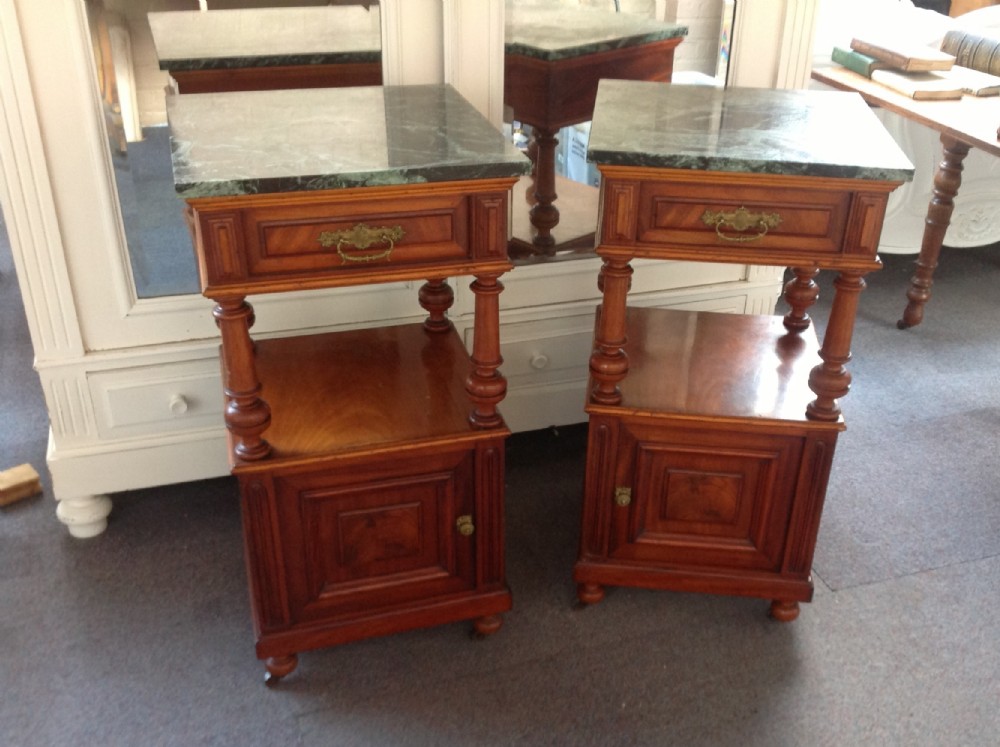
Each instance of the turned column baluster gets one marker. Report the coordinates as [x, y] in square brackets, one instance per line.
[830, 379]
[800, 293]
[436, 297]
[247, 415]
[947, 180]
[544, 215]
[608, 361]
[486, 385]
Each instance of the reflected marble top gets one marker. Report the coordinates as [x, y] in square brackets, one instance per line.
[803, 133]
[292, 140]
[559, 33]
[199, 40]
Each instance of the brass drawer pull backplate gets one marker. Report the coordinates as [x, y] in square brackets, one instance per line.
[362, 237]
[740, 219]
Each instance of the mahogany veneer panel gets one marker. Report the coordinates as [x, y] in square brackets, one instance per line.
[714, 507]
[359, 389]
[725, 474]
[709, 364]
[269, 243]
[360, 545]
[832, 222]
[555, 94]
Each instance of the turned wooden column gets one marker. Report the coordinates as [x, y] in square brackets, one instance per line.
[544, 214]
[247, 415]
[800, 293]
[486, 385]
[947, 180]
[830, 379]
[609, 362]
[436, 297]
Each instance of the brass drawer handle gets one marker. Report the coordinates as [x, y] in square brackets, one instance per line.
[361, 237]
[464, 525]
[741, 219]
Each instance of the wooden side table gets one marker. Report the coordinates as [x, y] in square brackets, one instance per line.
[964, 124]
[712, 436]
[370, 461]
[553, 61]
[257, 49]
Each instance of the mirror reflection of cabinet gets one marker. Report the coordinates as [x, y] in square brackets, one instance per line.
[145, 48]
[132, 383]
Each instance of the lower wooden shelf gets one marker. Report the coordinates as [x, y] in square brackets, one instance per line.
[380, 508]
[708, 476]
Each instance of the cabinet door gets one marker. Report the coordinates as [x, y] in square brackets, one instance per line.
[703, 498]
[375, 535]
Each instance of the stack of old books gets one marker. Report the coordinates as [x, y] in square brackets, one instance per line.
[923, 72]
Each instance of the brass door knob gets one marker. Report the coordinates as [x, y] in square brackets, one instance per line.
[464, 525]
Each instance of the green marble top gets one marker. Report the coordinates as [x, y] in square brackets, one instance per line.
[558, 33]
[265, 37]
[295, 140]
[804, 133]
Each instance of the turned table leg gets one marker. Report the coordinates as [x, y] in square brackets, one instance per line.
[830, 379]
[800, 293]
[544, 214]
[609, 362]
[947, 180]
[486, 385]
[247, 415]
[436, 297]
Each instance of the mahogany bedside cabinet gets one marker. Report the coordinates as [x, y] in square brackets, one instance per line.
[554, 58]
[711, 436]
[370, 461]
[257, 49]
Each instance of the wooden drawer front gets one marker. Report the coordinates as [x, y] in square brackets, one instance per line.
[704, 498]
[376, 535]
[287, 241]
[798, 220]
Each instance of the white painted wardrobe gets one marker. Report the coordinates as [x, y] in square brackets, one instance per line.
[132, 385]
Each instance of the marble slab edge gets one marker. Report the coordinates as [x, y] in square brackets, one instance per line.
[318, 182]
[751, 166]
[227, 63]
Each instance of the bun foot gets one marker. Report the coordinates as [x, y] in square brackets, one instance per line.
[484, 626]
[589, 593]
[783, 611]
[278, 667]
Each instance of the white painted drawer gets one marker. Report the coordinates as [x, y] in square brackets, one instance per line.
[165, 398]
[576, 280]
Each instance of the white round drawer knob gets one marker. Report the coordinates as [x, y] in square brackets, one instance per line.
[178, 405]
[539, 361]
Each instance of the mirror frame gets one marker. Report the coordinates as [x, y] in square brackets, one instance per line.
[59, 195]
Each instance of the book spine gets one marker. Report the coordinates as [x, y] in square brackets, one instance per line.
[986, 56]
[885, 55]
[861, 64]
[972, 50]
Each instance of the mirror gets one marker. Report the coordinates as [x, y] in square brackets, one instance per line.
[556, 53]
[206, 45]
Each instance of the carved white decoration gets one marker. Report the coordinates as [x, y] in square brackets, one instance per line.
[84, 517]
